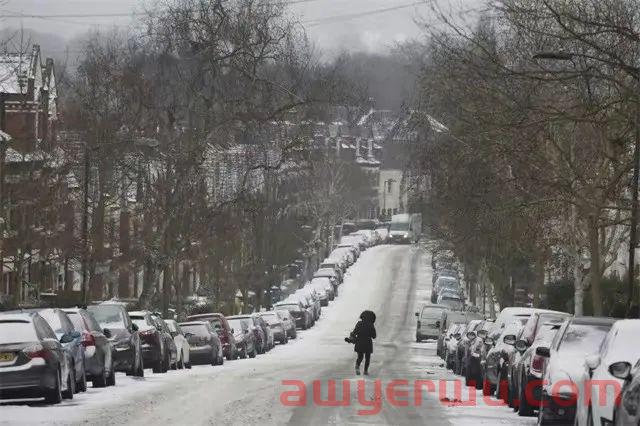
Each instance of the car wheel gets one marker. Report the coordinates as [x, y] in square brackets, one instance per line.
[140, 371]
[101, 380]
[214, 359]
[524, 409]
[479, 382]
[253, 353]
[166, 361]
[157, 366]
[54, 396]
[111, 378]
[418, 340]
[82, 384]
[71, 384]
[221, 360]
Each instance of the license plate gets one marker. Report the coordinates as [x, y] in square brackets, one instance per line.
[6, 356]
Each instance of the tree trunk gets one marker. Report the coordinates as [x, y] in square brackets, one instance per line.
[578, 290]
[594, 247]
[539, 279]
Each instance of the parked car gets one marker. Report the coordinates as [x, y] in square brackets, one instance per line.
[577, 338]
[288, 322]
[154, 351]
[171, 355]
[619, 350]
[496, 362]
[313, 301]
[476, 354]
[221, 325]
[33, 362]
[98, 354]
[204, 343]
[444, 282]
[62, 326]
[182, 344]
[274, 322]
[383, 233]
[528, 371]
[331, 275]
[115, 321]
[451, 343]
[451, 300]
[448, 318]
[245, 339]
[268, 331]
[463, 346]
[627, 412]
[524, 365]
[335, 266]
[297, 311]
[325, 290]
[428, 322]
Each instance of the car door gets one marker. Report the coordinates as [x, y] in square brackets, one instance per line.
[103, 345]
[75, 346]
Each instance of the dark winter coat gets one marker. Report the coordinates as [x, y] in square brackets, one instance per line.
[362, 335]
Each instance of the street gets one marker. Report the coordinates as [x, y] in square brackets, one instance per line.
[391, 280]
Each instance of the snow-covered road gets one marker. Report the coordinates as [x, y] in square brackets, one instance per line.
[391, 280]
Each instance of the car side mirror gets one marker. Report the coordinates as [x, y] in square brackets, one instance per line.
[245, 331]
[66, 338]
[456, 336]
[620, 370]
[187, 335]
[521, 345]
[471, 335]
[482, 333]
[509, 339]
[437, 324]
[232, 331]
[76, 334]
[489, 341]
[134, 327]
[107, 333]
[417, 314]
[592, 361]
[543, 351]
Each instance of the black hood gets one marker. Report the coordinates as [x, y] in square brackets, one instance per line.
[368, 316]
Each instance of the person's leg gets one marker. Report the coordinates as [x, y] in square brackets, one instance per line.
[358, 362]
[367, 359]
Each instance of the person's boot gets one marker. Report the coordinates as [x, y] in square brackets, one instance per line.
[366, 373]
[357, 371]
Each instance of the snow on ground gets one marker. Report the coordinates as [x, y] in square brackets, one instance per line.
[391, 280]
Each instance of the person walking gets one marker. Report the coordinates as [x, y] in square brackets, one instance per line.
[363, 335]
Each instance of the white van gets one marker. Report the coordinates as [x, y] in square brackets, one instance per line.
[428, 322]
[405, 228]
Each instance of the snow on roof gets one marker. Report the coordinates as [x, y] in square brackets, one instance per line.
[365, 117]
[436, 125]
[14, 72]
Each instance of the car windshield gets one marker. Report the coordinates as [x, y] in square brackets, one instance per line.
[431, 313]
[582, 339]
[17, 332]
[451, 302]
[290, 308]
[239, 324]
[78, 322]
[140, 322]
[199, 330]
[271, 318]
[399, 226]
[172, 326]
[216, 323]
[53, 319]
[109, 316]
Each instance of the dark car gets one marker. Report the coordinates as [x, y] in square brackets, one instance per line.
[245, 338]
[171, 351]
[275, 324]
[463, 346]
[627, 412]
[98, 351]
[127, 350]
[222, 327]
[473, 358]
[204, 343]
[527, 372]
[496, 362]
[577, 338]
[155, 353]
[62, 326]
[301, 316]
[33, 363]
[452, 336]
[258, 328]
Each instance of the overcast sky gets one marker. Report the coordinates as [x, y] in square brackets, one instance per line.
[330, 23]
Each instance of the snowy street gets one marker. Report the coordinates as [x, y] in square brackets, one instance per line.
[391, 280]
